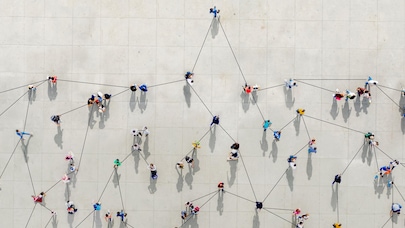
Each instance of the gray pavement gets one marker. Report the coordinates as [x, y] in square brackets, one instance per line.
[108, 45]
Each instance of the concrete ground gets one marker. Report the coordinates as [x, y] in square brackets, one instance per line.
[108, 45]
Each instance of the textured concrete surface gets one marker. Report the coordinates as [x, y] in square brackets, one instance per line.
[106, 45]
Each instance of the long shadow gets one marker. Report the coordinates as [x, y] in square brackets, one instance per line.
[116, 179]
[145, 149]
[180, 180]
[403, 125]
[101, 123]
[52, 91]
[136, 160]
[256, 221]
[67, 192]
[196, 167]
[132, 102]
[290, 178]
[107, 110]
[264, 145]
[357, 105]
[189, 178]
[245, 101]
[143, 102]
[187, 94]
[289, 100]
[333, 199]
[378, 186]
[334, 111]
[369, 154]
[364, 152]
[70, 219]
[220, 203]
[231, 179]
[212, 137]
[214, 28]
[254, 99]
[309, 166]
[346, 110]
[152, 186]
[97, 219]
[297, 123]
[92, 122]
[24, 148]
[54, 222]
[365, 104]
[274, 151]
[58, 138]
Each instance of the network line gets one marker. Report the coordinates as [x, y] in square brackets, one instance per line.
[22, 86]
[278, 216]
[388, 97]
[335, 124]
[29, 218]
[306, 128]
[271, 190]
[352, 159]
[198, 56]
[119, 188]
[200, 208]
[13, 103]
[319, 87]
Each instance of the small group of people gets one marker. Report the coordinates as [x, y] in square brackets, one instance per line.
[70, 207]
[361, 91]
[39, 198]
[387, 169]
[249, 89]
[100, 99]
[190, 209]
[70, 157]
[299, 219]
[311, 146]
[143, 87]
[139, 133]
[369, 137]
[289, 84]
[52, 79]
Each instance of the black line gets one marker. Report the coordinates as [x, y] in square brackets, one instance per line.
[398, 90]
[165, 83]
[85, 137]
[32, 182]
[306, 128]
[319, 87]
[288, 123]
[388, 97]
[387, 221]
[301, 149]
[93, 83]
[257, 105]
[105, 187]
[247, 174]
[375, 155]
[337, 202]
[13, 103]
[261, 89]
[326, 79]
[201, 100]
[9, 159]
[281, 209]
[398, 192]
[50, 219]
[335, 124]
[198, 56]
[53, 186]
[198, 141]
[352, 160]
[383, 152]
[204, 196]
[23, 86]
[85, 218]
[275, 185]
[119, 187]
[228, 192]
[278, 216]
[29, 218]
[81, 106]
[189, 217]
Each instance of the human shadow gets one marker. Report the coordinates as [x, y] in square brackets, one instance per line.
[256, 221]
[297, 124]
[334, 111]
[290, 178]
[364, 152]
[274, 151]
[187, 94]
[67, 192]
[214, 28]
[116, 178]
[232, 177]
[52, 91]
[146, 152]
[32, 95]
[97, 219]
[309, 166]
[378, 186]
[335, 195]
[220, 202]
[136, 160]
[58, 137]
[152, 186]
[403, 125]
[101, 123]
[143, 102]
[213, 138]
[369, 154]
[289, 100]
[357, 105]
[196, 166]
[365, 104]
[54, 221]
[245, 101]
[70, 219]
[91, 122]
[264, 145]
[24, 148]
[132, 102]
[254, 97]
[180, 179]
[346, 110]
[107, 109]
[189, 178]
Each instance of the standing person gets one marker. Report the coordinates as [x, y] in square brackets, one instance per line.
[385, 170]
[300, 111]
[266, 124]
[117, 163]
[101, 108]
[338, 179]
[350, 95]
[189, 77]
[22, 133]
[290, 83]
[259, 205]
[235, 146]
[277, 135]
[190, 160]
[135, 132]
[72, 167]
[394, 164]
[395, 208]
[291, 161]
[56, 119]
[143, 87]
[97, 206]
[39, 198]
[195, 210]
[221, 186]
[214, 11]
[233, 155]
[369, 82]
[52, 79]
[136, 147]
[215, 120]
[296, 212]
[373, 143]
[180, 165]
[32, 87]
[367, 95]
[69, 156]
[247, 88]
[133, 87]
[65, 179]
[183, 215]
[71, 208]
[153, 171]
[360, 91]
[337, 225]
[107, 96]
[196, 144]
[145, 131]
[122, 215]
[338, 95]
[108, 217]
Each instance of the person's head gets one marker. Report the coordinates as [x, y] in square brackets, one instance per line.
[151, 165]
[17, 130]
[313, 140]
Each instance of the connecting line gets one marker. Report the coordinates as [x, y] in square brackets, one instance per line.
[232, 51]
[326, 79]
[166, 83]
[398, 192]
[306, 128]
[49, 221]
[198, 141]
[29, 218]
[240, 197]
[73, 109]
[376, 161]
[105, 187]
[22, 86]
[227, 133]
[261, 89]
[32, 182]
[387, 221]
[93, 83]
[384, 153]
[204, 196]
[247, 174]
[119, 187]
[129, 225]
[57, 182]
[200, 207]
[9, 159]
[85, 138]
[352, 160]
[281, 209]
[335, 124]
[390, 88]
[315, 86]
[201, 100]
[257, 105]
[301, 149]
[275, 185]
[198, 56]
[13, 103]
[85, 218]
[278, 216]
[288, 123]
[388, 96]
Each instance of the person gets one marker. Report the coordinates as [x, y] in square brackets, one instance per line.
[360, 91]
[145, 131]
[337, 225]
[385, 170]
[259, 205]
[235, 146]
[52, 79]
[256, 88]
[266, 124]
[350, 95]
[189, 206]
[369, 136]
[136, 147]
[189, 77]
[338, 179]
[291, 161]
[97, 206]
[72, 167]
[305, 216]
[90, 101]
[290, 83]
[39, 198]
[183, 215]
[22, 133]
[296, 212]
[65, 178]
[373, 143]
[195, 210]
[370, 81]
[394, 164]
[214, 11]
[143, 88]
[247, 88]
[108, 217]
[71, 208]
[121, 214]
[56, 119]
[277, 135]
[300, 225]
[107, 96]
[338, 95]
[215, 120]
[221, 186]
[180, 165]
[312, 149]
[189, 160]
[133, 87]
[101, 109]
[117, 163]
[196, 144]
[69, 156]
[312, 142]
[153, 171]
[233, 155]
[135, 132]
[300, 111]
[32, 87]
[396, 208]
[367, 95]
